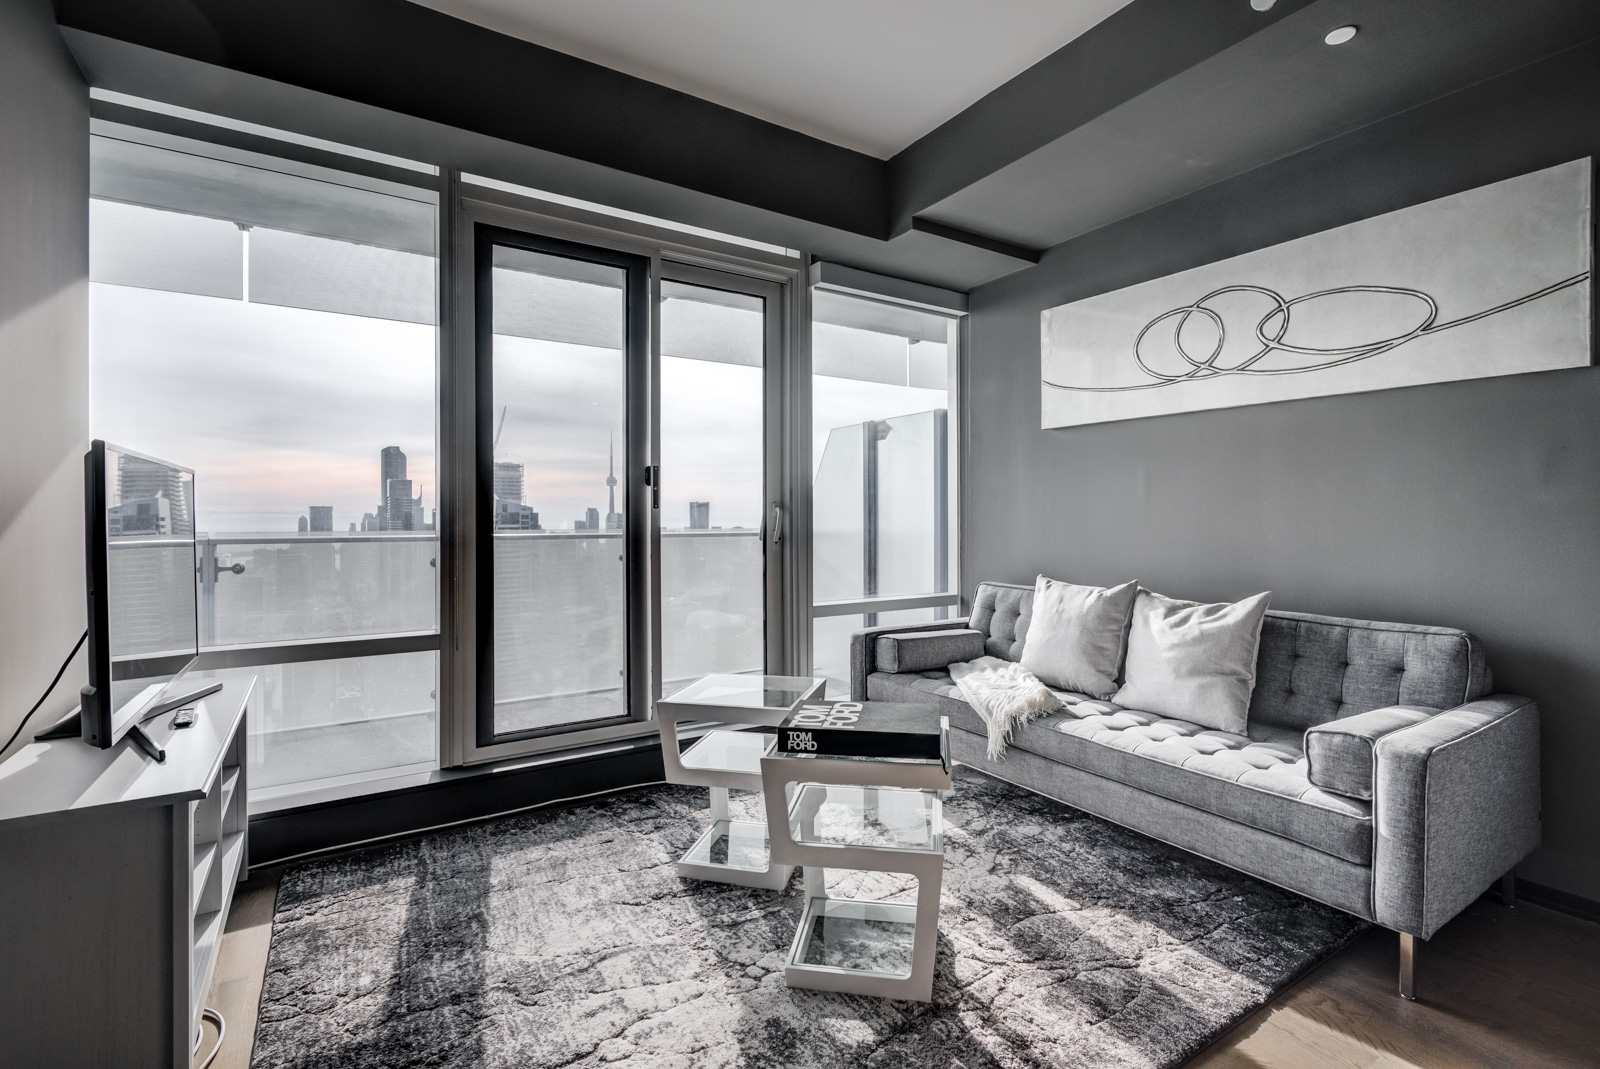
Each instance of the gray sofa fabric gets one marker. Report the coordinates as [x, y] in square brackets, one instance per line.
[1340, 754]
[1258, 780]
[1344, 885]
[1313, 669]
[864, 648]
[1002, 612]
[920, 650]
[1457, 802]
[1398, 815]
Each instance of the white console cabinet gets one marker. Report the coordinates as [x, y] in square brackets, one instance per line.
[116, 874]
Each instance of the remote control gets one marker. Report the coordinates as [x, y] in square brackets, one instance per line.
[183, 718]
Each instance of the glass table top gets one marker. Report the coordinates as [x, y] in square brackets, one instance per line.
[875, 937]
[729, 751]
[738, 844]
[776, 693]
[879, 817]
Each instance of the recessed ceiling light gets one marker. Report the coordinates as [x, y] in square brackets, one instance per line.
[1262, 5]
[1341, 35]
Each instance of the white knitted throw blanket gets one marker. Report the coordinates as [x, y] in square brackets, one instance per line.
[1005, 694]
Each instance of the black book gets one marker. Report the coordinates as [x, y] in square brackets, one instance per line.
[862, 729]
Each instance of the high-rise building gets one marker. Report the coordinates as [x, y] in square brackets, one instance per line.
[397, 509]
[305, 525]
[613, 517]
[321, 517]
[149, 516]
[699, 515]
[142, 480]
[400, 509]
[508, 486]
[590, 521]
[510, 516]
[391, 465]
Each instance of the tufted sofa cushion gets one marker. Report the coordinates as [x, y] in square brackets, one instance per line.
[1002, 611]
[1313, 669]
[1309, 669]
[1260, 780]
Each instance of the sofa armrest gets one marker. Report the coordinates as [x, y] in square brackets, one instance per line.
[1455, 806]
[922, 651]
[864, 647]
[1340, 754]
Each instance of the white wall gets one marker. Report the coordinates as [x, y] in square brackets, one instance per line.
[44, 391]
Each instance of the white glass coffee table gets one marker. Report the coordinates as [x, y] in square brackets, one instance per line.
[870, 815]
[730, 851]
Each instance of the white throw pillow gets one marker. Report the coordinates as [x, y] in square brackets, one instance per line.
[1193, 662]
[1077, 635]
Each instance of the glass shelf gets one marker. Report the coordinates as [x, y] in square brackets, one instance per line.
[779, 694]
[882, 818]
[729, 751]
[875, 938]
[732, 844]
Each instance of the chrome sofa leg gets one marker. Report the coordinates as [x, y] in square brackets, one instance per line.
[1408, 966]
[1508, 889]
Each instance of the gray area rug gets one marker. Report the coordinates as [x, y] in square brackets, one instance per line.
[564, 938]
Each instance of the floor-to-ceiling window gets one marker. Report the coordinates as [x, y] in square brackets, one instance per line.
[272, 325]
[714, 396]
[883, 454]
[627, 418]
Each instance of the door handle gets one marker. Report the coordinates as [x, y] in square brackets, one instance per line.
[777, 523]
[652, 479]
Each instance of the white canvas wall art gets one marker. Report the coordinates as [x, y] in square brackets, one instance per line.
[1493, 281]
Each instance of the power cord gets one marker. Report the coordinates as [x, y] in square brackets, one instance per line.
[222, 1031]
[59, 673]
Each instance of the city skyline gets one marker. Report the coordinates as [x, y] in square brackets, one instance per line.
[275, 435]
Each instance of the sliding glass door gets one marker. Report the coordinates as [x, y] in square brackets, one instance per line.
[562, 538]
[627, 491]
[720, 521]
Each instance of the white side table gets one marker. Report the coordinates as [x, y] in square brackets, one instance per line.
[870, 815]
[730, 851]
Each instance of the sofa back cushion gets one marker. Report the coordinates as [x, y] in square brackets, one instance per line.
[1002, 611]
[1313, 669]
[1309, 669]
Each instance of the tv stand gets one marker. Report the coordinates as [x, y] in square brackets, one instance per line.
[116, 876]
[179, 702]
[142, 739]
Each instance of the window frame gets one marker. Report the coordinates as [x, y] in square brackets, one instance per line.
[417, 185]
[786, 278]
[672, 255]
[864, 286]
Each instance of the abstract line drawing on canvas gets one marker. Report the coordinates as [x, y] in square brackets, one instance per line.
[1271, 329]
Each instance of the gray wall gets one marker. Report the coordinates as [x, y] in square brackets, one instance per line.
[1469, 504]
[44, 366]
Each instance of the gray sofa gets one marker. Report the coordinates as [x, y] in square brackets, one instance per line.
[1381, 774]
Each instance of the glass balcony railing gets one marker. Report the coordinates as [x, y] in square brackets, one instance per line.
[260, 589]
[343, 718]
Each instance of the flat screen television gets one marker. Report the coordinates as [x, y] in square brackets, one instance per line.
[140, 565]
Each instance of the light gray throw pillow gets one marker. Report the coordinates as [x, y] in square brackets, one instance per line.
[1193, 662]
[1077, 634]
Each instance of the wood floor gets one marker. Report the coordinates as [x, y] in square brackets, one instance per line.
[1496, 987]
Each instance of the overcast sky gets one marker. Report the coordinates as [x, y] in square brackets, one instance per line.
[278, 409]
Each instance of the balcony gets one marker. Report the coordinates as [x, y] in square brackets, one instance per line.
[342, 629]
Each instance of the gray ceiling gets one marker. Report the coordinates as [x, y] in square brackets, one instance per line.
[869, 76]
[1273, 94]
[1157, 100]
